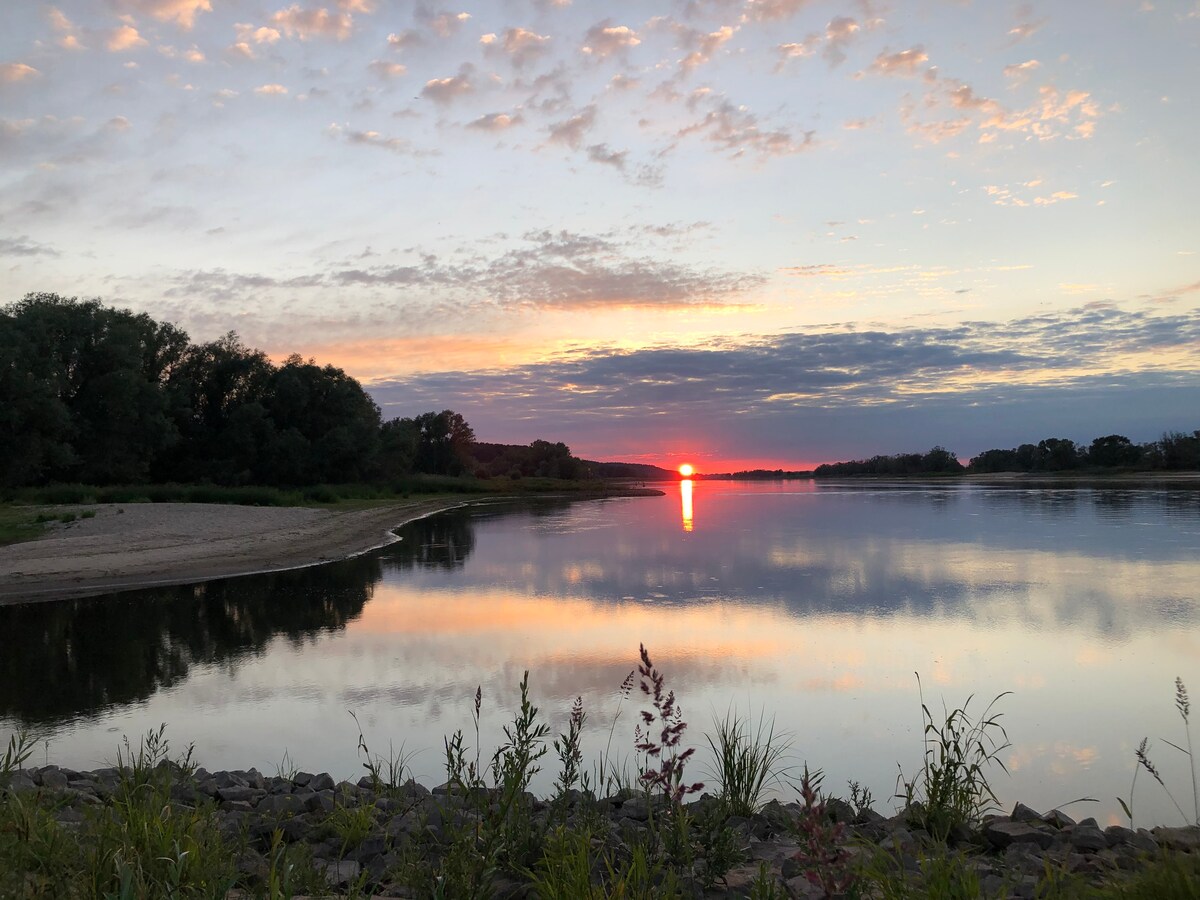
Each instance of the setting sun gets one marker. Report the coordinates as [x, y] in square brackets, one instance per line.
[687, 470]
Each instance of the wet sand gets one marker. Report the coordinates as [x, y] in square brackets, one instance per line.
[136, 545]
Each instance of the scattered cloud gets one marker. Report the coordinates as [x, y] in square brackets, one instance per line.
[571, 131]
[495, 122]
[903, 62]
[182, 12]
[520, 45]
[773, 10]
[124, 37]
[23, 246]
[305, 24]
[446, 90]
[371, 139]
[11, 73]
[386, 69]
[1020, 72]
[271, 90]
[251, 34]
[405, 40]
[736, 130]
[444, 25]
[604, 39]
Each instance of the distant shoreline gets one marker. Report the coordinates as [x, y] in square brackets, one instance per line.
[140, 545]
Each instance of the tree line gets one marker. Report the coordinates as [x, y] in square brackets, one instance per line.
[1174, 451]
[94, 394]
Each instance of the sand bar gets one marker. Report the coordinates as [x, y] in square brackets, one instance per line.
[135, 545]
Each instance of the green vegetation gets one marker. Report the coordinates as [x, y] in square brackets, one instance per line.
[1174, 451]
[100, 396]
[1183, 706]
[748, 760]
[951, 789]
[153, 833]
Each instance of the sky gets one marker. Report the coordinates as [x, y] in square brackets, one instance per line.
[739, 233]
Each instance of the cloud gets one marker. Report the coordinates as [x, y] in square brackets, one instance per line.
[604, 39]
[23, 246]
[11, 73]
[444, 25]
[773, 10]
[705, 47]
[518, 44]
[840, 32]
[600, 153]
[446, 90]
[404, 40]
[305, 24]
[971, 386]
[495, 122]
[561, 270]
[372, 139]
[125, 37]
[261, 34]
[571, 131]
[182, 12]
[1021, 71]
[736, 130]
[904, 62]
[1025, 30]
[385, 69]
[271, 90]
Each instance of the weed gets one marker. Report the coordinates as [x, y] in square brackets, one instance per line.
[387, 773]
[20, 747]
[747, 761]
[765, 886]
[943, 875]
[1183, 705]
[667, 777]
[822, 850]
[951, 788]
[567, 747]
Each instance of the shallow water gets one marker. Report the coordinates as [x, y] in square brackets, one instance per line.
[812, 603]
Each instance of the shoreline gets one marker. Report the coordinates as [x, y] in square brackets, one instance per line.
[143, 545]
[127, 546]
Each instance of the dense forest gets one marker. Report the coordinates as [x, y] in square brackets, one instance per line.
[1174, 451]
[94, 394]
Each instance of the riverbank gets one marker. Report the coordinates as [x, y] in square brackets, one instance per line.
[242, 834]
[113, 547]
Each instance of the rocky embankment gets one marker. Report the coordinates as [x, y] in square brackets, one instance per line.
[1008, 854]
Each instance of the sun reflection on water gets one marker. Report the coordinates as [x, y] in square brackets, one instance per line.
[685, 496]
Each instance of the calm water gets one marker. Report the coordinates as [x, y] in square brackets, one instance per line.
[813, 603]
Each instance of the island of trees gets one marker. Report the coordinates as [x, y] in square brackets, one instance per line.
[97, 395]
[1174, 451]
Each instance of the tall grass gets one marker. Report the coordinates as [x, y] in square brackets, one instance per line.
[951, 788]
[1142, 754]
[748, 759]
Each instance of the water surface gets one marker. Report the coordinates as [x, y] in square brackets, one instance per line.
[812, 602]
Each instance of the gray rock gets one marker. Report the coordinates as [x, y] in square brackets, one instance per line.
[340, 873]
[1088, 839]
[52, 777]
[227, 780]
[1001, 833]
[1058, 819]
[281, 804]
[636, 808]
[322, 782]
[239, 792]
[1023, 813]
[1186, 839]
[1144, 841]
[302, 779]
[20, 783]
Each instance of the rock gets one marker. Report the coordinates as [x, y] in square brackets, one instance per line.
[636, 808]
[281, 804]
[52, 777]
[838, 810]
[1001, 833]
[800, 888]
[1058, 819]
[227, 780]
[322, 782]
[1023, 813]
[1088, 838]
[239, 792]
[340, 873]
[1144, 841]
[1186, 839]
[302, 779]
[20, 783]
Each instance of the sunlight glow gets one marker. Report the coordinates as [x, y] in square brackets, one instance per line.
[687, 470]
[685, 495]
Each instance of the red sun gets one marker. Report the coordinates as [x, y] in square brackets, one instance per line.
[687, 470]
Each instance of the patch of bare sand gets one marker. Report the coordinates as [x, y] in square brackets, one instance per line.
[147, 544]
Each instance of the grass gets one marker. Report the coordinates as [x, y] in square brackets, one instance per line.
[1183, 706]
[20, 523]
[145, 842]
[951, 789]
[748, 760]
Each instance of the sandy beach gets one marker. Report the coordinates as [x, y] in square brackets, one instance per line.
[147, 544]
